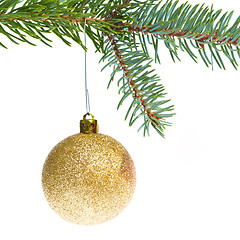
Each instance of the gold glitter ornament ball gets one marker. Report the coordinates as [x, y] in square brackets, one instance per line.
[88, 178]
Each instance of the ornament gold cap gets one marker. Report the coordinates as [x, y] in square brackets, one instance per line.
[88, 125]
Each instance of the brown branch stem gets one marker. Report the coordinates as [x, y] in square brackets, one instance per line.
[154, 118]
[65, 17]
[121, 26]
[198, 38]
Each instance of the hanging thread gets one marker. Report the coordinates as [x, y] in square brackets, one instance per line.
[86, 88]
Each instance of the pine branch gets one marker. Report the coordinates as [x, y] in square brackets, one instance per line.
[36, 19]
[195, 27]
[142, 86]
[123, 31]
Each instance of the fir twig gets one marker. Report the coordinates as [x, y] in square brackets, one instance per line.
[123, 31]
[143, 87]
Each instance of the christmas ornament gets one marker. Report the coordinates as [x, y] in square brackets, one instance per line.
[88, 178]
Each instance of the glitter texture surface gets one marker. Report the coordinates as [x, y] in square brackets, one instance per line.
[88, 178]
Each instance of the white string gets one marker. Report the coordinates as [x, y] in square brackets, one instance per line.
[86, 88]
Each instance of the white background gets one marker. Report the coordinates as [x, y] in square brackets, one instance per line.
[188, 185]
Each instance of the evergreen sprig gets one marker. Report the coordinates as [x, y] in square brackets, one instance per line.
[123, 31]
[189, 28]
[140, 82]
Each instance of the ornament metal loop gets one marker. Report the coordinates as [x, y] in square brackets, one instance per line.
[88, 125]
